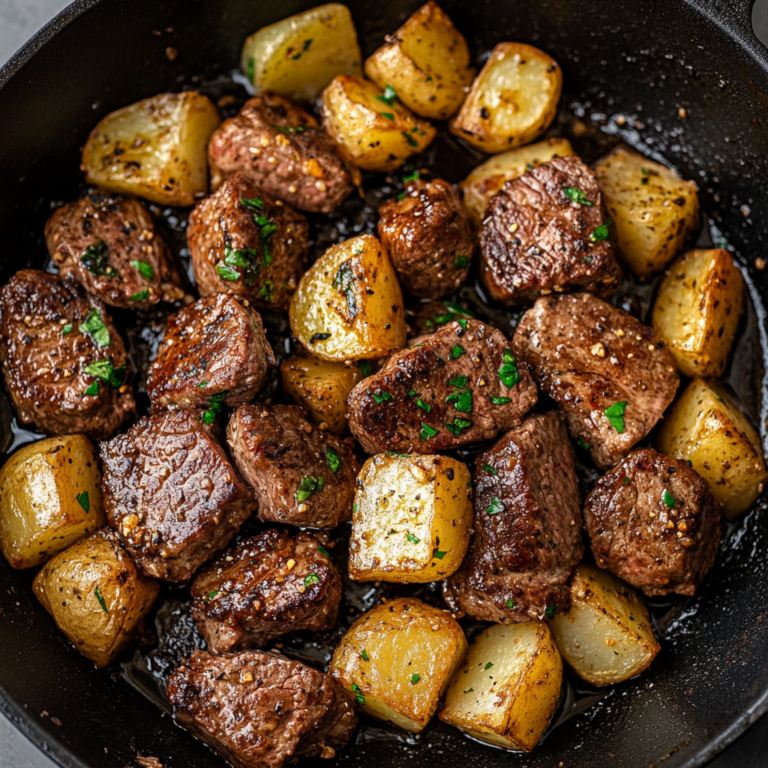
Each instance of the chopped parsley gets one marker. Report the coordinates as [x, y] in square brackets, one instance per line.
[84, 501]
[100, 598]
[333, 459]
[669, 500]
[307, 43]
[68, 328]
[508, 372]
[615, 414]
[308, 486]
[141, 295]
[254, 203]
[215, 406]
[389, 96]
[202, 385]
[501, 400]
[290, 128]
[411, 176]
[427, 431]
[626, 480]
[104, 370]
[366, 367]
[424, 406]
[495, 506]
[144, 269]
[602, 232]
[96, 328]
[439, 554]
[310, 579]
[94, 259]
[227, 273]
[315, 337]
[413, 539]
[359, 698]
[458, 426]
[456, 352]
[409, 139]
[510, 603]
[461, 401]
[577, 196]
[323, 551]
[382, 397]
[210, 595]
[551, 611]
[388, 116]
[458, 381]
[488, 666]
[461, 262]
[344, 284]
[462, 322]
[364, 655]
[267, 291]
[93, 389]
[583, 444]
[415, 677]
[411, 392]
[488, 468]
[469, 691]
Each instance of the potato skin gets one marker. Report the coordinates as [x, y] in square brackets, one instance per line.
[40, 485]
[67, 587]
[697, 310]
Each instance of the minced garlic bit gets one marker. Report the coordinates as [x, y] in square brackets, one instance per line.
[597, 349]
[291, 564]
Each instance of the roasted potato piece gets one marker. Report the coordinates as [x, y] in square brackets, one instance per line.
[397, 660]
[349, 305]
[49, 498]
[513, 99]
[298, 56]
[371, 129]
[489, 177]
[96, 595]
[709, 430]
[411, 519]
[156, 148]
[697, 310]
[508, 687]
[321, 388]
[653, 210]
[607, 635]
[427, 62]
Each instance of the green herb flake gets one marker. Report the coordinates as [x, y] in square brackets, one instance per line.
[290, 128]
[144, 269]
[323, 551]
[577, 196]
[459, 381]
[67, 329]
[344, 284]
[463, 323]
[462, 401]
[411, 392]
[424, 406]
[669, 500]
[458, 426]
[215, 407]
[615, 414]
[95, 326]
[413, 539]
[388, 116]
[415, 677]
[495, 506]
[104, 370]
[411, 177]
[310, 579]
[84, 501]
[510, 603]
[227, 273]
[254, 203]
[251, 69]
[488, 666]
[438, 554]
[100, 598]
[409, 139]
[333, 459]
[469, 690]
[382, 397]
[141, 295]
[456, 352]
[551, 611]
[626, 480]
[501, 400]
[427, 431]
[364, 655]
[315, 337]
[399, 196]
[488, 468]
[389, 96]
[602, 232]
[366, 368]
[93, 388]
[267, 291]
[94, 259]
[508, 372]
[457, 308]
[308, 486]
[461, 262]
[202, 385]
[210, 595]
[583, 444]
[359, 698]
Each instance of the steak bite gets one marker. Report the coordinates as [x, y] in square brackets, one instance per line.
[547, 231]
[243, 241]
[456, 386]
[171, 493]
[527, 527]
[300, 474]
[654, 522]
[265, 586]
[428, 237]
[111, 247]
[213, 350]
[609, 372]
[261, 710]
[283, 151]
[65, 365]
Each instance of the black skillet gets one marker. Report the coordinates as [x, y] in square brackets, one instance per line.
[646, 60]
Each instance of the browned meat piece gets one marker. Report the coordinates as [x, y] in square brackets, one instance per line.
[547, 231]
[262, 588]
[608, 372]
[261, 710]
[428, 237]
[171, 493]
[64, 363]
[282, 149]
[213, 351]
[653, 521]
[111, 247]
[527, 527]
[242, 241]
[459, 385]
[300, 474]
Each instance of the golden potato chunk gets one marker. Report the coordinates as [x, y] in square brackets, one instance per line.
[96, 595]
[709, 430]
[349, 305]
[411, 520]
[298, 56]
[321, 388]
[372, 130]
[156, 148]
[489, 177]
[508, 687]
[653, 210]
[49, 498]
[397, 660]
[697, 310]
[607, 635]
[427, 61]
[512, 101]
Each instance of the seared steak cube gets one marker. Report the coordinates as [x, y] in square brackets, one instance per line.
[261, 710]
[215, 351]
[527, 527]
[653, 521]
[547, 231]
[243, 241]
[456, 386]
[263, 587]
[300, 474]
[428, 237]
[609, 372]
[64, 363]
[171, 493]
[282, 149]
[111, 247]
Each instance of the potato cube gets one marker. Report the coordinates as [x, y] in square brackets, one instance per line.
[298, 56]
[654, 211]
[371, 128]
[508, 687]
[697, 310]
[427, 61]
[709, 430]
[397, 660]
[349, 305]
[156, 148]
[607, 635]
[512, 101]
[49, 498]
[411, 520]
[321, 388]
[96, 595]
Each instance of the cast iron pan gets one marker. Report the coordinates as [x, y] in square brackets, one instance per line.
[641, 59]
